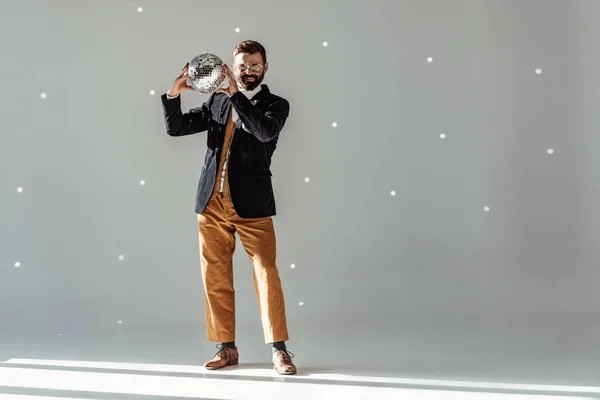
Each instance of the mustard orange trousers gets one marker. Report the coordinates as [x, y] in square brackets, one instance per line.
[217, 227]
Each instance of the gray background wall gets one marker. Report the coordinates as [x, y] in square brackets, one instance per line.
[427, 277]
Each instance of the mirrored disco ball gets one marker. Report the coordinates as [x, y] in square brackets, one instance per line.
[206, 73]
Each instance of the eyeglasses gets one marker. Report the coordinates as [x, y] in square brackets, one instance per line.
[253, 67]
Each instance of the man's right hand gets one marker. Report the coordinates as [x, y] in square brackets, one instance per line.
[180, 84]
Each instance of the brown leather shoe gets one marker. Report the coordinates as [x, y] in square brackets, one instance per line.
[282, 362]
[224, 357]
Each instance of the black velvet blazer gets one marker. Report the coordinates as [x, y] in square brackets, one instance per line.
[249, 171]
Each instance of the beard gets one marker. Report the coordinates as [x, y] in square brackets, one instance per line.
[248, 84]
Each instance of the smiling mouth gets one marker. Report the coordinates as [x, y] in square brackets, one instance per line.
[249, 79]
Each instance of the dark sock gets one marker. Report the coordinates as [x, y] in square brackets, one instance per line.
[278, 346]
[231, 345]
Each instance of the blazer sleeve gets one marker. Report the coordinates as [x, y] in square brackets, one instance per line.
[178, 123]
[264, 126]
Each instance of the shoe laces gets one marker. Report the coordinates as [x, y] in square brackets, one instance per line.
[286, 355]
[223, 351]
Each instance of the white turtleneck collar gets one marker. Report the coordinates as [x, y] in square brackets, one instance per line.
[251, 93]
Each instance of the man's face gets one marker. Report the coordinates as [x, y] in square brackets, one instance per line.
[249, 70]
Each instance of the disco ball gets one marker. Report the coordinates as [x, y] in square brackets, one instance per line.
[205, 73]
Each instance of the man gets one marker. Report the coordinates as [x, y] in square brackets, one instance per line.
[235, 195]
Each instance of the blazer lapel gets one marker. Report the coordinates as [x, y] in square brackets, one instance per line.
[224, 111]
[226, 106]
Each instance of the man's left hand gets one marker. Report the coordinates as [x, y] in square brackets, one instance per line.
[233, 87]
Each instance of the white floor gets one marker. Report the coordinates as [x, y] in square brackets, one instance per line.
[417, 363]
[61, 379]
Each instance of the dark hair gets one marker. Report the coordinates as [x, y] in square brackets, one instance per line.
[250, 47]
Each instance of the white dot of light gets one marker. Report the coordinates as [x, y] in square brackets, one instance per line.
[393, 192]
[142, 183]
[486, 209]
[550, 151]
[43, 95]
[334, 124]
[301, 303]
[19, 190]
[325, 44]
[293, 266]
[430, 59]
[140, 9]
[119, 322]
[152, 93]
[443, 136]
[307, 179]
[237, 30]
[538, 71]
[121, 257]
[17, 264]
